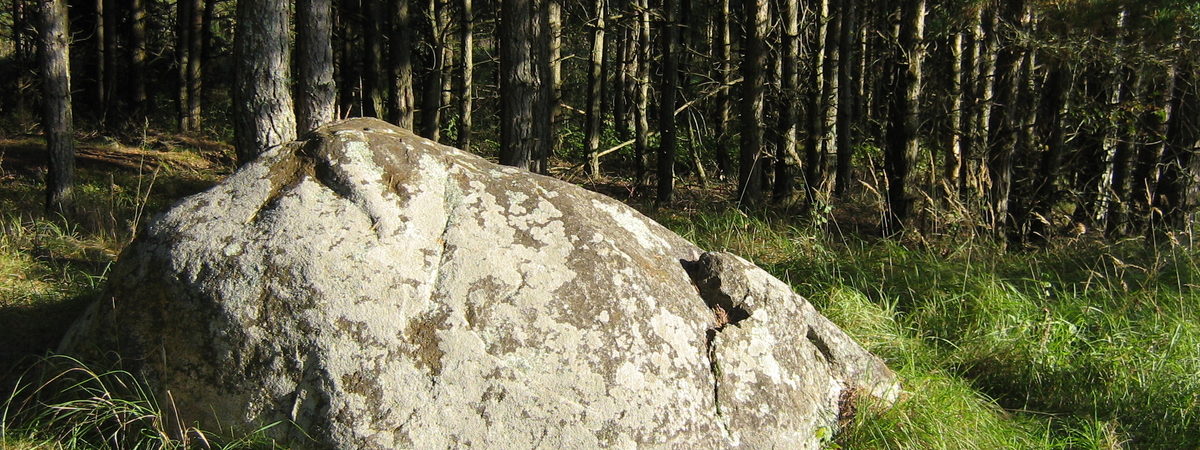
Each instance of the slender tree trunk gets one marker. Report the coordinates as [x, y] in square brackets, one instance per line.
[195, 82]
[349, 64]
[54, 50]
[137, 58]
[431, 99]
[903, 143]
[724, 54]
[521, 85]
[642, 108]
[468, 71]
[621, 90]
[787, 159]
[1054, 108]
[753, 68]
[1002, 129]
[373, 61]
[1177, 197]
[402, 106]
[666, 117]
[553, 37]
[182, 54]
[112, 69]
[830, 89]
[952, 163]
[815, 173]
[316, 95]
[591, 139]
[846, 98]
[263, 113]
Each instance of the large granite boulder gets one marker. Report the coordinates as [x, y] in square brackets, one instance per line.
[382, 291]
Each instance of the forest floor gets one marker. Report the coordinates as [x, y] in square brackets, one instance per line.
[1082, 344]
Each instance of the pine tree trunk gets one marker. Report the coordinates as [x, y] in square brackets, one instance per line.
[591, 139]
[263, 113]
[1002, 139]
[468, 72]
[902, 139]
[724, 54]
[401, 110]
[641, 108]
[316, 95]
[754, 79]
[1177, 197]
[54, 50]
[551, 33]
[374, 94]
[137, 59]
[846, 98]
[787, 159]
[668, 139]
[522, 86]
[431, 98]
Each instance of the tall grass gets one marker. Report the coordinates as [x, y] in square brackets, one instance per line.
[1078, 346]
[67, 405]
[51, 268]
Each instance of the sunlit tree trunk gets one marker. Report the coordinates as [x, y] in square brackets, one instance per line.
[903, 143]
[642, 99]
[401, 109]
[756, 17]
[724, 55]
[847, 97]
[593, 119]
[374, 93]
[431, 98]
[524, 102]
[468, 72]
[54, 54]
[787, 159]
[263, 113]
[316, 95]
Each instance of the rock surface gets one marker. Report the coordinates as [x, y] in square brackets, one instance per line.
[382, 291]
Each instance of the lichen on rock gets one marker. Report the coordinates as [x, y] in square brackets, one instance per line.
[382, 291]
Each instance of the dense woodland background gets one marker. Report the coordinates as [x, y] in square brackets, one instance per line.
[768, 128]
[1020, 119]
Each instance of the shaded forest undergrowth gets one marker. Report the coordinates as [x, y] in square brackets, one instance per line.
[1082, 344]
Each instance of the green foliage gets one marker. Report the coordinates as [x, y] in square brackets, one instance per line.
[1082, 345]
[75, 407]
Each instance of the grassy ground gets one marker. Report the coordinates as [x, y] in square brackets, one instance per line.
[1083, 345]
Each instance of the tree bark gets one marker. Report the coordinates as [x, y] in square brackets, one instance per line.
[787, 159]
[1003, 127]
[316, 94]
[374, 91]
[641, 108]
[668, 138]
[468, 70]
[401, 110]
[724, 55]
[902, 138]
[1180, 179]
[522, 85]
[54, 49]
[591, 139]
[754, 79]
[431, 98]
[263, 113]
[137, 58]
[846, 98]
[189, 32]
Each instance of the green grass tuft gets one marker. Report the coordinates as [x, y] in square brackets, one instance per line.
[1084, 345]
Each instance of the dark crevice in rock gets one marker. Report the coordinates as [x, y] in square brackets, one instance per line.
[706, 276]
[710, 347]
[821, 345]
